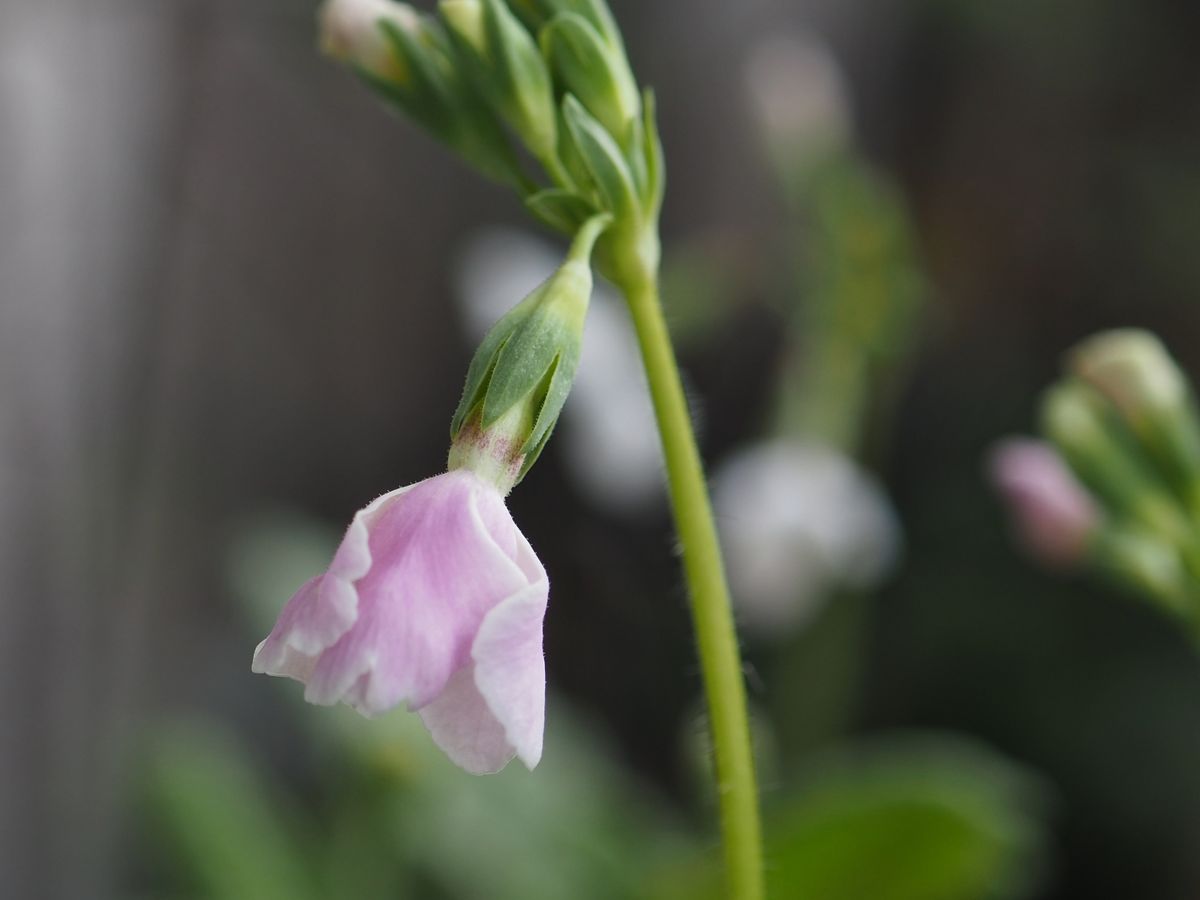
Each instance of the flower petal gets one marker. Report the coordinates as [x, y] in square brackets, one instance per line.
[465, 728]
[510, 670]
[325, 607]
[442, 557]
[305, 628]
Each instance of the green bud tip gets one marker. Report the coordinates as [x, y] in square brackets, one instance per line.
[465, 18]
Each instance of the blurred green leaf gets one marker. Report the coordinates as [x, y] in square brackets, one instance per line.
[226, 826]
[578, 827]
[898, 818]
[908, 819]
[270, 555]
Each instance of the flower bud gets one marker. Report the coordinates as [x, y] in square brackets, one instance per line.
[1145, 563]
[352, 31]
[405, 57]
[1099, 450]
[1134, 372]
[535, 14]
[1055, 516]
[507, 68]
[522, 372]
[595, 71]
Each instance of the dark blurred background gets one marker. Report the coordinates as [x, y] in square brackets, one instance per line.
[226, 287]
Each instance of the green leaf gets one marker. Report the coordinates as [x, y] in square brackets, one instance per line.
[222, 820]
[909, 819]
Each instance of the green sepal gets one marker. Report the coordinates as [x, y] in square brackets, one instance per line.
[521, 374]
[591, 69]
[524, 72]
[429, 99]
[605, 163]
[479, 372]
[535, 13]
[597, 14]
[655, 181]
[561, 210]
[557, 387]
[532, 349]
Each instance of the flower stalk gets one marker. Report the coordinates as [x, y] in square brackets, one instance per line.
[712, 614]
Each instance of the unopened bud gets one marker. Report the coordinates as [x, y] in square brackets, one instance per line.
[352, 31]
[406, 58]
[1100, 450]
[594, 70]
[1133, 370]
[1054, 515]
[507, 68]
[521, 374]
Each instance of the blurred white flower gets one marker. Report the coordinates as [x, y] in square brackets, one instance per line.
[607, 433]
[799, 95]
[799, 520]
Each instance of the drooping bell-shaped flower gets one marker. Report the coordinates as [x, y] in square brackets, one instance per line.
[435, 599]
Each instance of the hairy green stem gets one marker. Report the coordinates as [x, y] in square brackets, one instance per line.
[716, 638]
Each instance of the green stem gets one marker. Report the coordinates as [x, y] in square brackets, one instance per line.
[716, 639]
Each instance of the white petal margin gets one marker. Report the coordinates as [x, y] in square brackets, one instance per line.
[325, 607]
[495, 708]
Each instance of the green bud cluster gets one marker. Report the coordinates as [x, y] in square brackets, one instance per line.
[521, 374]
[1125, 421]
[549, 76]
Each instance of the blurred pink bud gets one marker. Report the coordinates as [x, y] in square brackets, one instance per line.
[434, 599]
[1053, 513]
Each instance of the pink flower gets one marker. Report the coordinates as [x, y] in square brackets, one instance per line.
[434, 599]
[1054, 514]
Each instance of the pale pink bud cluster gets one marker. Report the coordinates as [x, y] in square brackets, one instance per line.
[435, 600]
[1054, 515]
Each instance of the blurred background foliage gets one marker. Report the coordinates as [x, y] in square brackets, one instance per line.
[227, 319]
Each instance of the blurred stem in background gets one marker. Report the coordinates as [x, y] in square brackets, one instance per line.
[851, 306]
